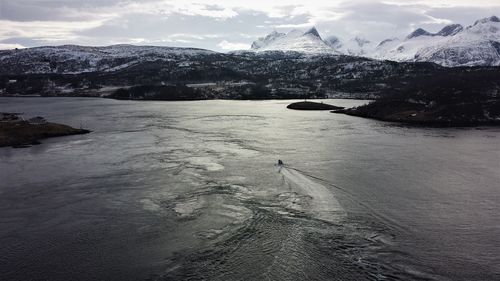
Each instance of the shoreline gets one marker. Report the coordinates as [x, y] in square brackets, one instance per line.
[430, 123]
[24, 134]
[413, 114]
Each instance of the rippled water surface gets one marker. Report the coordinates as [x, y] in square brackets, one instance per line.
[190, 190]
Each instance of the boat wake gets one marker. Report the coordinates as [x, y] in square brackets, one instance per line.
[308, 196]
[301, 234]
[306, 182]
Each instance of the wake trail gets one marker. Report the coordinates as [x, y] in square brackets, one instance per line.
[312, 197]
[303, 178]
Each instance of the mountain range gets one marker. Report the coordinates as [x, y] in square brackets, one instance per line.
[454, 45]
[410, 77]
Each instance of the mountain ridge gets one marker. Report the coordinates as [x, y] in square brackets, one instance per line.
[309, 41]
[451, 46]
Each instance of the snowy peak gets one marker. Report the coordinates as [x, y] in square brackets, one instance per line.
[311, 41]
[487, 28]
[295, 40]
[264, 41]
[360, 41]
[313, 31]
[387, 41]
[450, 30]
[356, 46]
[486, 20]
[419, 32]
[333, 41]
[453, 45]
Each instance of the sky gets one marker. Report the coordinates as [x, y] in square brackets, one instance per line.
[222, 25]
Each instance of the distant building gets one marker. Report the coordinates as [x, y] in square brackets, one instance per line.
[37, 120]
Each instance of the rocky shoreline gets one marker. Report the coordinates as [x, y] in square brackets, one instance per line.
[448, 115]
[22, 133]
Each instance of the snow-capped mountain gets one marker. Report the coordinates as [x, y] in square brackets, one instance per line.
[311, 42]
[357, 46]
[450, 30]
[453, 45]
[295, 40]
[418, 33]
[475, 45]
[78, 59]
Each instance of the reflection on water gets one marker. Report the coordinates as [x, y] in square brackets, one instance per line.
[190, 190]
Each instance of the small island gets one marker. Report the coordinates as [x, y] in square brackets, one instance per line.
[15, 131]
[307, 105]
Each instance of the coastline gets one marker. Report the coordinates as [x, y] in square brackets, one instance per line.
[22, 133]
[415, 114]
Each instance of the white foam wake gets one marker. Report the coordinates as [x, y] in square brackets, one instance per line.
[316, 199]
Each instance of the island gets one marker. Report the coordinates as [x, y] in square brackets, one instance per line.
[307, 105]
[17, 132]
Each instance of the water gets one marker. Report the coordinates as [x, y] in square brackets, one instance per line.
[189, 190]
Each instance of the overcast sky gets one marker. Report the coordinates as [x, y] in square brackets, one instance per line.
[222, 25]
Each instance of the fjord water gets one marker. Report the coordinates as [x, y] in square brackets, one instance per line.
[189, 190]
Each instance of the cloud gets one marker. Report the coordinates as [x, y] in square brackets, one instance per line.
[294, 26]
[230, 46]
[46, 30]
[212, 11]
[224, 24]
[56, 10]
[10, 46]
